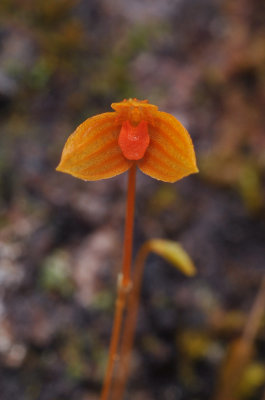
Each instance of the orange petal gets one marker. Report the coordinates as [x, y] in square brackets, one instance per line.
[134, 140]
[170, 155]
[92, 151]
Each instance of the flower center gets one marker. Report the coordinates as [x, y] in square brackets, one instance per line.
[134, 140]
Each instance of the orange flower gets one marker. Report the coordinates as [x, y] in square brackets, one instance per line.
[136, 132]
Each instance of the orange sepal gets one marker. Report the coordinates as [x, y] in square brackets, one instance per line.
[92, 151]
[170, 155]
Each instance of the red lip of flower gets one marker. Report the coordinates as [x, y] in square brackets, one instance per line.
[136, 132]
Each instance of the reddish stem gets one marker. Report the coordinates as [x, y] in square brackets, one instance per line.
[128, 234]
[130, 324]
[124, 285]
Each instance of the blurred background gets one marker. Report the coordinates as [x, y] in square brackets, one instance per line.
[60, 238]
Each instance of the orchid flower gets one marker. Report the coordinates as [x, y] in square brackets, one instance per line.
[135, 133]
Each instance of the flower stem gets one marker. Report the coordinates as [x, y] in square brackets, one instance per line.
[124, 285]
[130, 323]
[128, 234]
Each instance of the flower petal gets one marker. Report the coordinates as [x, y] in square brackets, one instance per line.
[92, 151]
[170, 155]
[134, 140]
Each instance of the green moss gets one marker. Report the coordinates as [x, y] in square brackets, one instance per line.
[55, 274]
